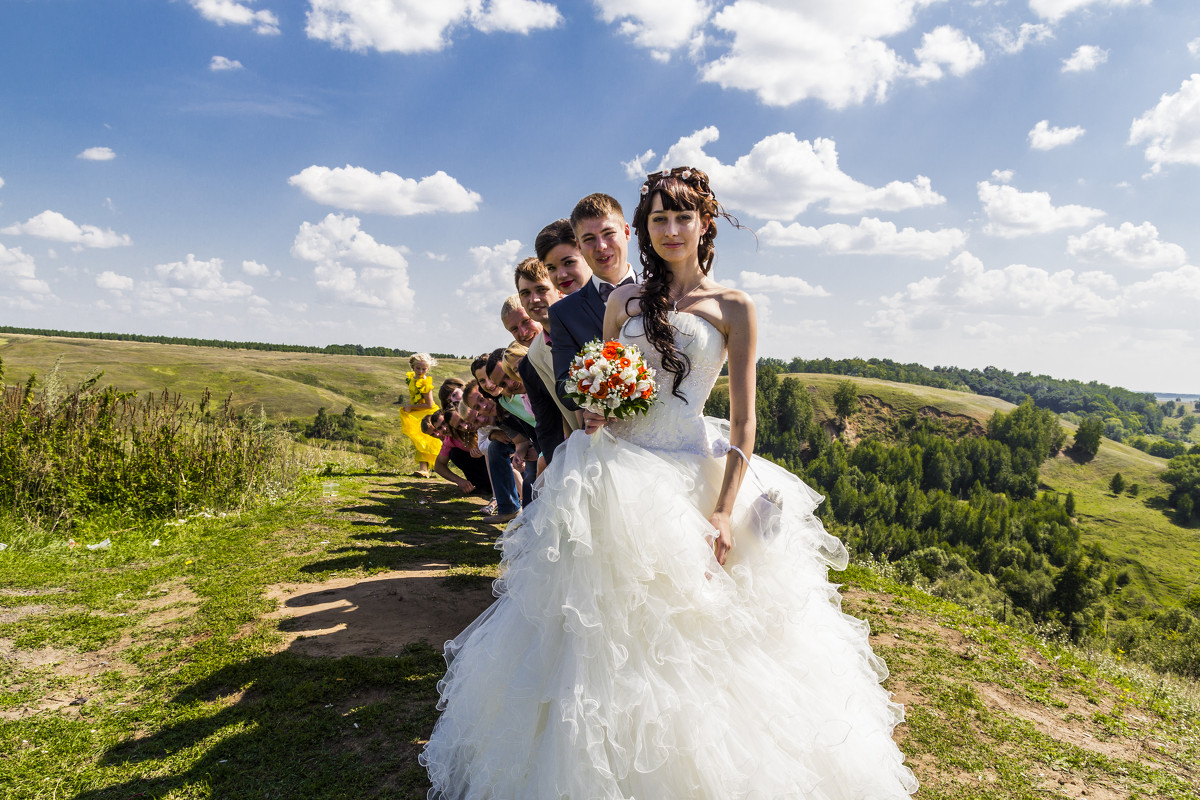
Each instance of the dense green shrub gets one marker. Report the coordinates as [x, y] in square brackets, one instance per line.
[65, 455]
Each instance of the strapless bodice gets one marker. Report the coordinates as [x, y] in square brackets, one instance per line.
[672, 423]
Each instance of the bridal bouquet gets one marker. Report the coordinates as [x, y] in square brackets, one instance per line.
[612, 379]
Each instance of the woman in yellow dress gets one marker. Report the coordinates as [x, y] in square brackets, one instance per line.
[421, 405]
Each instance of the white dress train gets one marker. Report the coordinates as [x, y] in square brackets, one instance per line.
[621, 662]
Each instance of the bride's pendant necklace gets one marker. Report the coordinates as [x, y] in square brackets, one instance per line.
[675, 305]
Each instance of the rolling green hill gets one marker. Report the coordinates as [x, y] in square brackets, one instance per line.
[284, 385]
[1163, 558]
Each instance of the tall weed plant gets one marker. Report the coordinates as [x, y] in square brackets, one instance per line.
[66, 455]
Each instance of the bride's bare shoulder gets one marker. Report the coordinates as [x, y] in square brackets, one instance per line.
[735, 304]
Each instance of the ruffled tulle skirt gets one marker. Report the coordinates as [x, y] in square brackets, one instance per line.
[621, 661]
[427, 447]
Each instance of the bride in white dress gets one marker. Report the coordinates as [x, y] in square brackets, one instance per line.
[648, 641]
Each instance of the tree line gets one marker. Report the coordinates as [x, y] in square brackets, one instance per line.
[1137, 412]
[329, 349]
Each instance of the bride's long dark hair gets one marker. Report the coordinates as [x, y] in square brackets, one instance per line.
[681, 189]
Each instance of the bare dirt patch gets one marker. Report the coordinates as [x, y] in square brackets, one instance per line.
[377, 615]
[75, 674]
[17, 613]
[81, 667]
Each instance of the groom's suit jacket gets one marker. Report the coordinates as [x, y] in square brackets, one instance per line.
[574, 321]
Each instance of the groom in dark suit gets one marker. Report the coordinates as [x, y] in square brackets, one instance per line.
[603, 236]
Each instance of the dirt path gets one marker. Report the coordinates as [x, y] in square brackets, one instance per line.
[375, 616]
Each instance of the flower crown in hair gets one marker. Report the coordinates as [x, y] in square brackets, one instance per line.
[685, 174]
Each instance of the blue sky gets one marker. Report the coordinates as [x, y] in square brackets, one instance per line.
[961, 182]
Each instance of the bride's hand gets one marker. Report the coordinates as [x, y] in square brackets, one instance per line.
[723, 541]
[593, 422]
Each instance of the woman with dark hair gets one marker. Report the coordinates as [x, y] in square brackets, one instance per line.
[557, 248]
[458, 449]
[665, 626]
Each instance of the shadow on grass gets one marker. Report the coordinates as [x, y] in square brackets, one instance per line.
[413, 523]
[291, 725]
[285, 726]
[378, 616]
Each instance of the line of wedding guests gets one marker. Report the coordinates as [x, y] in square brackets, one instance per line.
[500, 429]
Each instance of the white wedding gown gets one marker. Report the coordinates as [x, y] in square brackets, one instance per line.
[620, 661]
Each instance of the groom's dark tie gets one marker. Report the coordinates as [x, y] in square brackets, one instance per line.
[606, 289]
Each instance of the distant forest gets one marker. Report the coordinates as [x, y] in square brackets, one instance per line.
[330, 349]
[1136, 412]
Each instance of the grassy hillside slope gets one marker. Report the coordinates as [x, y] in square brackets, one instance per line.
[901, 398]
[258, 656]
[282, 384]
[1163, 558]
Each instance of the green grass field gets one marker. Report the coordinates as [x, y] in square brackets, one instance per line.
[1164, 559]
[165, 666]
[166, 671]
[903, 398]
[283, 385]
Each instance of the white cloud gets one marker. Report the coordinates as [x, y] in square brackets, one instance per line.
[756, 283]
[18, 272]
[53, 225]
[232, 12]
[415, 26]
[484, 292]
[833, 52]
[114, 282]
[1043, 137]
[358, 189]
[947, 47]
[1194, 47]
[256, 269]
[1130, 246]
[1165, 299]
[1002, 175]
[515, 16]
[782, 176]
[1085, 59]
[1028, 33]
[1012, 213]
[662, 26]
[97, 154]
[869, 236]
[1054, 10]
[201, 280]
[635, 168]
[1172, 128]
[968, 288]
[223, 64]
[352, 265]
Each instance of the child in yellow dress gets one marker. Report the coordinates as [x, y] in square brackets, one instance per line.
[421, 405]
